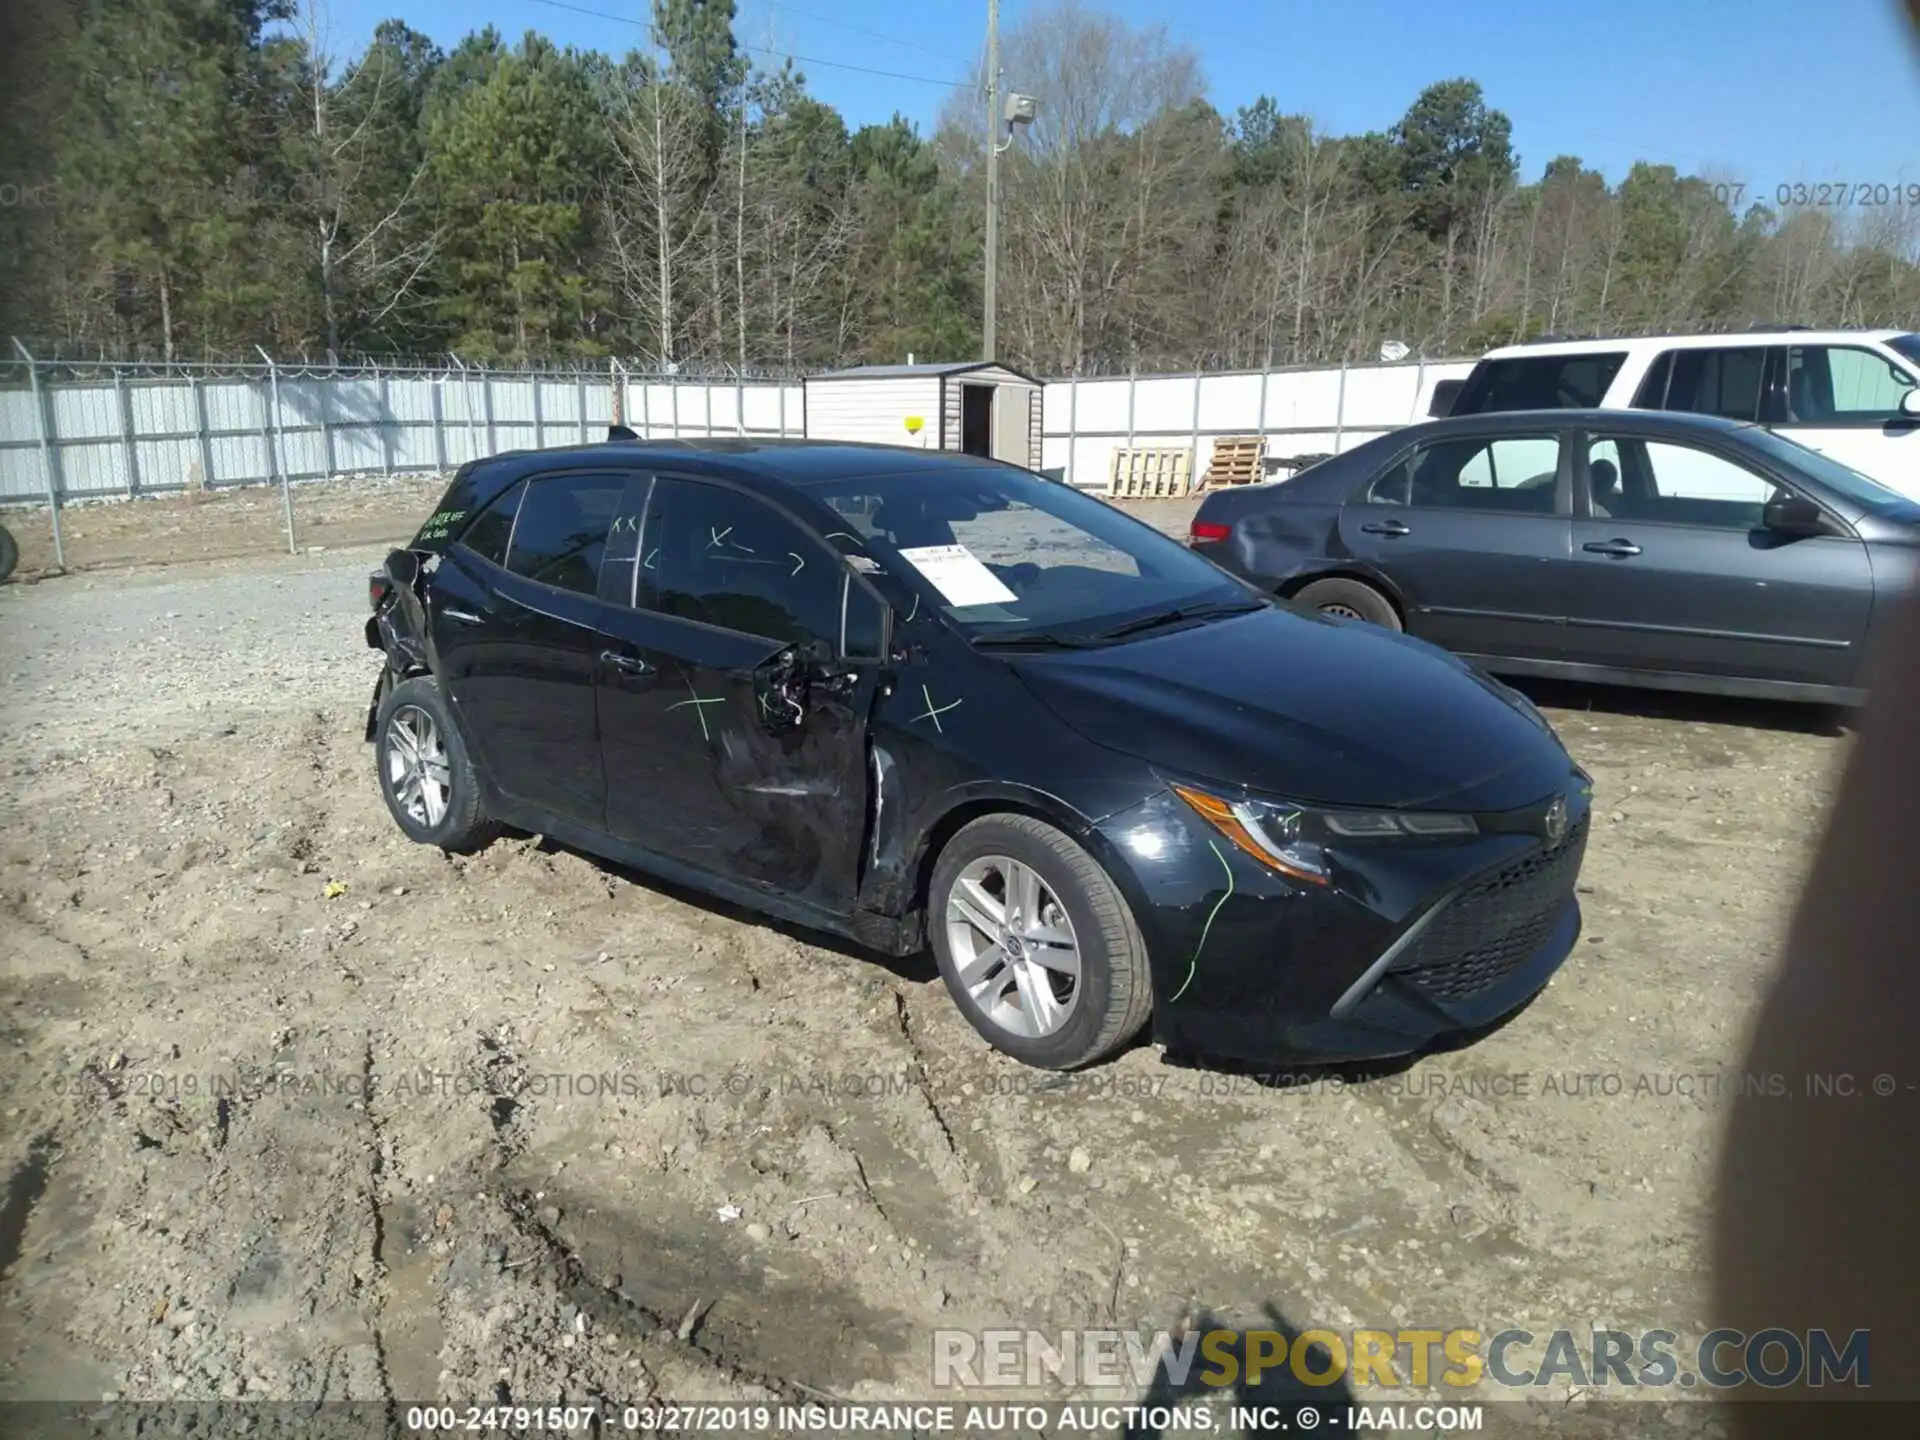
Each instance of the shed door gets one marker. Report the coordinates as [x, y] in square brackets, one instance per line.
[1012, 438]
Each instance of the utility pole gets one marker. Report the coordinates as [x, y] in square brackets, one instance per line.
[993, 178]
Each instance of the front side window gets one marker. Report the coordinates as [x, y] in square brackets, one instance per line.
[1660, 482]
[562, 530]
[1843, 385]
[723, 557]
[1539, 382]
[1001, 551]
[1514, 474]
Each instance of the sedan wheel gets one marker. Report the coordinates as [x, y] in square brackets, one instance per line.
[417, 766]
[1013, 947]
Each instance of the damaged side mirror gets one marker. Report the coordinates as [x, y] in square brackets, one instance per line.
[782, 689]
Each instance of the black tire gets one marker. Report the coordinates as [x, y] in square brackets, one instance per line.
[1352, 598]
[9, 554]
[1114, 996]
[463, 826]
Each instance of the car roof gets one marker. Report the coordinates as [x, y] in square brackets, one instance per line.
[1693, 342]
[802, 463]
[1647, 422]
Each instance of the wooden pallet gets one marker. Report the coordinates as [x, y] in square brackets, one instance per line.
[1237, 460]
[1145, 474]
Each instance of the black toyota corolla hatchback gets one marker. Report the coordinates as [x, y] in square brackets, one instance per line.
[923, 699]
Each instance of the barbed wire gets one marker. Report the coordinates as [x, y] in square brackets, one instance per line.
[55, 362]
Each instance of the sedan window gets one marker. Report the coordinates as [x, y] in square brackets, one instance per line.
[1513, 474]
[1664, 483]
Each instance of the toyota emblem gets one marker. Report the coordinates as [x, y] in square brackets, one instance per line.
[1556, 820]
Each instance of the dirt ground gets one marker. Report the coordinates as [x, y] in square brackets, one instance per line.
[296, 1109]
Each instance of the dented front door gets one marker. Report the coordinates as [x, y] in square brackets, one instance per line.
[732, 740]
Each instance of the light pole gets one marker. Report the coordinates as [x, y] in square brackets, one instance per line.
[1019, 110]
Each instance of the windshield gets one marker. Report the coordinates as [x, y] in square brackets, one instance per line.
[1862, 490]
[1907, 345]
[1003, 553]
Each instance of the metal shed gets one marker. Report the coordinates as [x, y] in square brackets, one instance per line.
[976, 408]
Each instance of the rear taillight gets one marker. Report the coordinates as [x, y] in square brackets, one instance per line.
[378, 588]
[1207, 531]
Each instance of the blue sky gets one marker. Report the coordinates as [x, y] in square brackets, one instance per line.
[1764, 92]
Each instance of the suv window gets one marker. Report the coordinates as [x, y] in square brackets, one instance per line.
[1513, 474]
[1842, 385]
[1708, 382]
[1539, 382]
[562, 530]
[487, 533]
[726, 558]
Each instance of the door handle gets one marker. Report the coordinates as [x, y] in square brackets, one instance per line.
[625, 664]
[1386, 527]
[463, 617]
[1618, 549]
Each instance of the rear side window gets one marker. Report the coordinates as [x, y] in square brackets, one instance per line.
[490, 530]
[1727, 383]
[562, 530]
[1511, 474]
[1540, 382]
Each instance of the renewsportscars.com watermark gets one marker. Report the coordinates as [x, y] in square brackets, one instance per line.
[1365, 1360]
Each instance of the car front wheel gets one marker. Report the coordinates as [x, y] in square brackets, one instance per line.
[425, 773]
[1036, 944]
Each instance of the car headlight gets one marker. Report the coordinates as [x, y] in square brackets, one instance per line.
[1294, 839]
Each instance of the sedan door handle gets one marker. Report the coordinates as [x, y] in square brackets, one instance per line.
[464, 617]
[625, 664]
[1619, 549]
[1387, 527]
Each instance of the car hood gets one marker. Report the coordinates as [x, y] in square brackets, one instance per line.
[1309, 708]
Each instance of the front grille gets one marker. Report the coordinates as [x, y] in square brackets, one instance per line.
[1494, 926]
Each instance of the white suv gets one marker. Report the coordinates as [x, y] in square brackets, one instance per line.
[1851, 394]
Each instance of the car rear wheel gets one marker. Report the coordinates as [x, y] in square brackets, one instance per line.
[425, 774]
[1352, 600]
[1036, 944]
[9, 553]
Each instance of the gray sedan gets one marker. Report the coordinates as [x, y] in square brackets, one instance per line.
[1674, 551]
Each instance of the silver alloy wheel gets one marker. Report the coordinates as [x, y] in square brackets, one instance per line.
[417, 768]
[1013, 947]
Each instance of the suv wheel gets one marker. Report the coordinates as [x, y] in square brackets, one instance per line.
[425, 775]
[1350, 599]
[1036, 944]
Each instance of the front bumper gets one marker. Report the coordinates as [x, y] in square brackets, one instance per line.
[1413, 945]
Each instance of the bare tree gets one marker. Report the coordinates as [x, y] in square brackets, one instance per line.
[658, 198]
[368, 245]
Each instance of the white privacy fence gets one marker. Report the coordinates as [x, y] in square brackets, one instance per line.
[102, 431]
[1306, 411]
[107, 431]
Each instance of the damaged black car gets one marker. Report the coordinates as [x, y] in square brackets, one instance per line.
[924, 700]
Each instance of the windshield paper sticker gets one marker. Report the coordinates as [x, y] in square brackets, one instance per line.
[956, 572]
